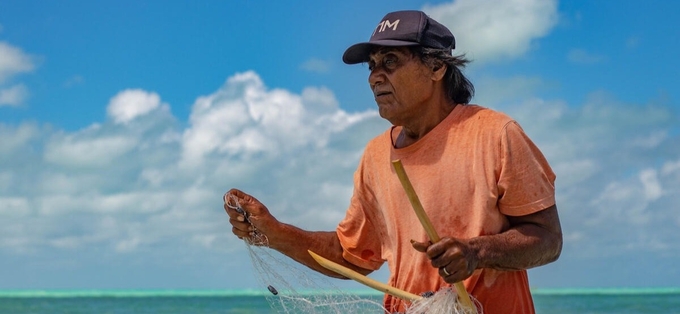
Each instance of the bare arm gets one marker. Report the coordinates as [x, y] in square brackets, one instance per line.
[532, 240]
[287, 239]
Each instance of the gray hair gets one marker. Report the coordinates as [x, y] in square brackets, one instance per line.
[459, 89]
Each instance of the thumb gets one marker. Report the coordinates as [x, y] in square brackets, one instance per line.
[420, 246]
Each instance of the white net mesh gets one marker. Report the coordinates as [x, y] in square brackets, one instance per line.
[297, 289]
[445, 301]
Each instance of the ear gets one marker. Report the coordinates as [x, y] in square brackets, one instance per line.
[438, 71]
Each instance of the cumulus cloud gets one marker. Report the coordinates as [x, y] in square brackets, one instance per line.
[13, 61]
[78, 152]
[244, 118]
[140, 181]
[143, 186]
[16, 139]
[651, 185]
[490, 30]
[610, 184]
[132, 103]
[616, 163]
[13, 96]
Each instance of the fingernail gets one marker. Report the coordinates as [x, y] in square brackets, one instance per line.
[240, 218]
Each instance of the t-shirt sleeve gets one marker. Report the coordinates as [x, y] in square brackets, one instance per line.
[526, 182]
[357, 233]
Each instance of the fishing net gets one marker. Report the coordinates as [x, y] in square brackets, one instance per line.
[443, 302]
[293, 288]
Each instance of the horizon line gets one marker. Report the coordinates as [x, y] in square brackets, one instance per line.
[251, 292]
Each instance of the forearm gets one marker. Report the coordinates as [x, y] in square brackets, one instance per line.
[294, 243]
[287, 239]
[524, 245]
[520, 248]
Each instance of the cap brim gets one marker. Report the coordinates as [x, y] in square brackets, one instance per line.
[359, 53]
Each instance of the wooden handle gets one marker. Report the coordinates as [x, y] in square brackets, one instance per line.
[415, 201]
[342, 270]
[427, 224]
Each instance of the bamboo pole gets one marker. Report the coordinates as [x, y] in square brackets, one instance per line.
[351, 274]
[427, 224]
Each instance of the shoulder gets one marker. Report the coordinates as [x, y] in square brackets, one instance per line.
[381, 144]
[481, 120]
[381, 138]
[485, 115]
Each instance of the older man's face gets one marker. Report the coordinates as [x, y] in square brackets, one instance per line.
[401, 83]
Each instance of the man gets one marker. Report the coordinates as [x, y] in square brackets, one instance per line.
[485, 186]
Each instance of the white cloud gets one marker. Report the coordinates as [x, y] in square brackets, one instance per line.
[14, 206]
[15, 139]
[74, 81]
[132, 103]
[495, 90]
[611, 185]
[651, 184]
[13, 96]
[13, 61]
[316, 65]
[243, 117]
[128, 245]
[670, 167]
[575, 171]
[488, 30]
[74, 151]
[124, 185]
[151, 188]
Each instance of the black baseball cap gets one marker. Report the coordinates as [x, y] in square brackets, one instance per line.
[402, 28]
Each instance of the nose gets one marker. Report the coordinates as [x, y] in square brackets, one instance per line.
[377, 76]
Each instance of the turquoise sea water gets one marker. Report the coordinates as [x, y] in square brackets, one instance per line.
[560, 301]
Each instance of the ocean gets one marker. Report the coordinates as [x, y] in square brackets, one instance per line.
[559, 301]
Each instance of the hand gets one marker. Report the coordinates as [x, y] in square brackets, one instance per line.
[455, 259]
[255, 218]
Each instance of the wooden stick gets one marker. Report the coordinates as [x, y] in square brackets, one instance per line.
[342, 270]
[427, 224]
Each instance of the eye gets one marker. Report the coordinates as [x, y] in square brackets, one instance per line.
[371, 65]
[390, 61]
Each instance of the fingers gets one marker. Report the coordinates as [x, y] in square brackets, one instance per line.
[249, 204]
[233, 204]
[233, 200]
[452, 273]
[240, 227]
[420, 246]
[233, 213]
[449, 256]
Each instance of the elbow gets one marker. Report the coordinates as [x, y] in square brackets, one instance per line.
[555, 238]
[555, 248]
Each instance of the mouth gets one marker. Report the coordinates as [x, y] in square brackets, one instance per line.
[379, 94]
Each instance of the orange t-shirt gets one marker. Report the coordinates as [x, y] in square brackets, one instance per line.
[471, 171]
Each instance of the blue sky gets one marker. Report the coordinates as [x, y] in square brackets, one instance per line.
[122, 123]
